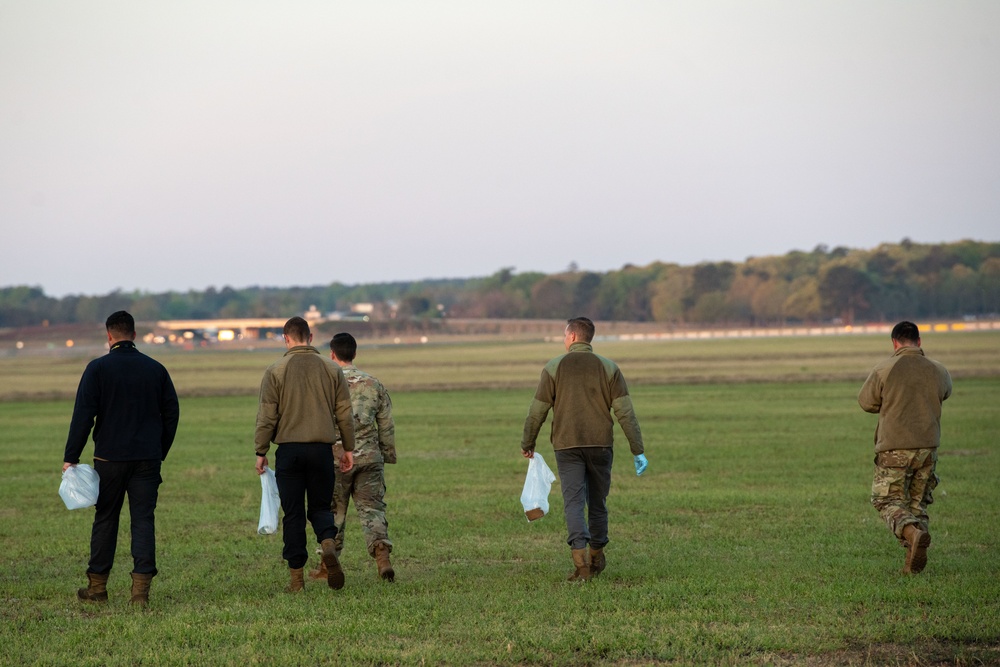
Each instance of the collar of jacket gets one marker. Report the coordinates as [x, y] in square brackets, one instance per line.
[909, 350]
[581, 347]
[299, 349]
[122, 345]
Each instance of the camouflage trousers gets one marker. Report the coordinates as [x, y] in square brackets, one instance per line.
[903, 486]
[366, 484]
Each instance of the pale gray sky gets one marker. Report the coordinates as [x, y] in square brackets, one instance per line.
[181, 145]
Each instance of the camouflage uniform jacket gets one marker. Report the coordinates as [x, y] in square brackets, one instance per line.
[906, 391]
[374, 430]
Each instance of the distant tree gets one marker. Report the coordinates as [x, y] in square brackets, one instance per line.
[889, 282]
[667, 294]
[803, 302]
[712, 278]
[989, 286]
[551, 298]
[844, 290]
[415, 305]
[22, 306]
[585, 292]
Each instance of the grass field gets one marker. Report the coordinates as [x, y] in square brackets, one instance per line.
[750, 540]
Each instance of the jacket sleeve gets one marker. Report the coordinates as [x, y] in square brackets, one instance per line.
[170, 413]
[870, 396]
[625, 414]
[946, 385]
[267, 415]
[84, 414]
[538, 411]
[344, 414]
[386, 427]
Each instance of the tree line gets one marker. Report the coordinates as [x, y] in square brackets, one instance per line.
[886, 283]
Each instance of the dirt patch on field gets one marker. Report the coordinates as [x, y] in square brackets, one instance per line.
[924, 654]
[927, 654]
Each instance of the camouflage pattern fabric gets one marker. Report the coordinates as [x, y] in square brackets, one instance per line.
[366, 484]
[903, 487]
[374, 430]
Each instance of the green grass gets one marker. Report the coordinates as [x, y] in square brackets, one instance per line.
[749, 540]
[227, 371]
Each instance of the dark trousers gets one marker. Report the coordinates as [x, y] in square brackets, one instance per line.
[585, 478]
[305, 476]
[140, 480]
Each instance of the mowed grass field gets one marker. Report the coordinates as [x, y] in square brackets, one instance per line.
[750, 540]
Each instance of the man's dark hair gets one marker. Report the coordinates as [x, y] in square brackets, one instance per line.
[120, 324]
[344, 346]
[296, 329]
[906, 332]
[582, 327]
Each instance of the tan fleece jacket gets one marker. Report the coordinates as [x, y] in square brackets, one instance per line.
[906, 391]
[304, 399]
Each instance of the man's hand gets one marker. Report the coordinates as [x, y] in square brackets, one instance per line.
[67, 466]
[528, 453]
[261, 464]
[640, 464]
[347, 462]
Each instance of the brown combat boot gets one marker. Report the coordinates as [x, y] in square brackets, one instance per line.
[96, 590]
[140, 588]
[917, 541]
[296, 584]
[319, 573]
[581, 560]
[382, 561]
[334, 573]
[597, 562]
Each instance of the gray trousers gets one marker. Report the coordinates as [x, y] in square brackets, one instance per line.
[585, 477]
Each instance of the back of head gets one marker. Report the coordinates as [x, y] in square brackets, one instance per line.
[582, 327]
[296, 329]
[121, 325]
[906, 333]
[344, 346]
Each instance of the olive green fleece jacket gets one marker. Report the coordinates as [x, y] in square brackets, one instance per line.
[303, 399]
[906, 391]
[582, 389]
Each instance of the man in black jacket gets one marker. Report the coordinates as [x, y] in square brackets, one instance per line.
[129, 401]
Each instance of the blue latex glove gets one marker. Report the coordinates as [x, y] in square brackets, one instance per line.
[640, 464]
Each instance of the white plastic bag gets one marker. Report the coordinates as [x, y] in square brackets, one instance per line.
[537, 484]
[269, 504]
[79, 487]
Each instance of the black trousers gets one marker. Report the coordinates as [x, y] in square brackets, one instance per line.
[140, 480]
[305, 475]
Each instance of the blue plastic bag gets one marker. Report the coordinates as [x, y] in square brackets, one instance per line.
[537, 484]
[270, 503]
[79, 487]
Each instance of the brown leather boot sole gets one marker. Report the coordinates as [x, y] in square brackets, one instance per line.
[334, 573]
[87, 596]
[916, 553]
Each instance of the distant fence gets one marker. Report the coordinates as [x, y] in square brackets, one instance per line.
[774, 332]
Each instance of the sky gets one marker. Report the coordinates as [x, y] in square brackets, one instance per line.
[182, 145]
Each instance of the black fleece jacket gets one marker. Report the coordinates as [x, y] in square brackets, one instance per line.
[129, 401]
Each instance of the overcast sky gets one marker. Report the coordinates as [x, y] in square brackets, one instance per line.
[180, 145]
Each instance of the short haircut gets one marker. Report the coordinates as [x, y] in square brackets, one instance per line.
[120, 323]
[906, 332]
[296, 329]
[344, 346]
[582, 327]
